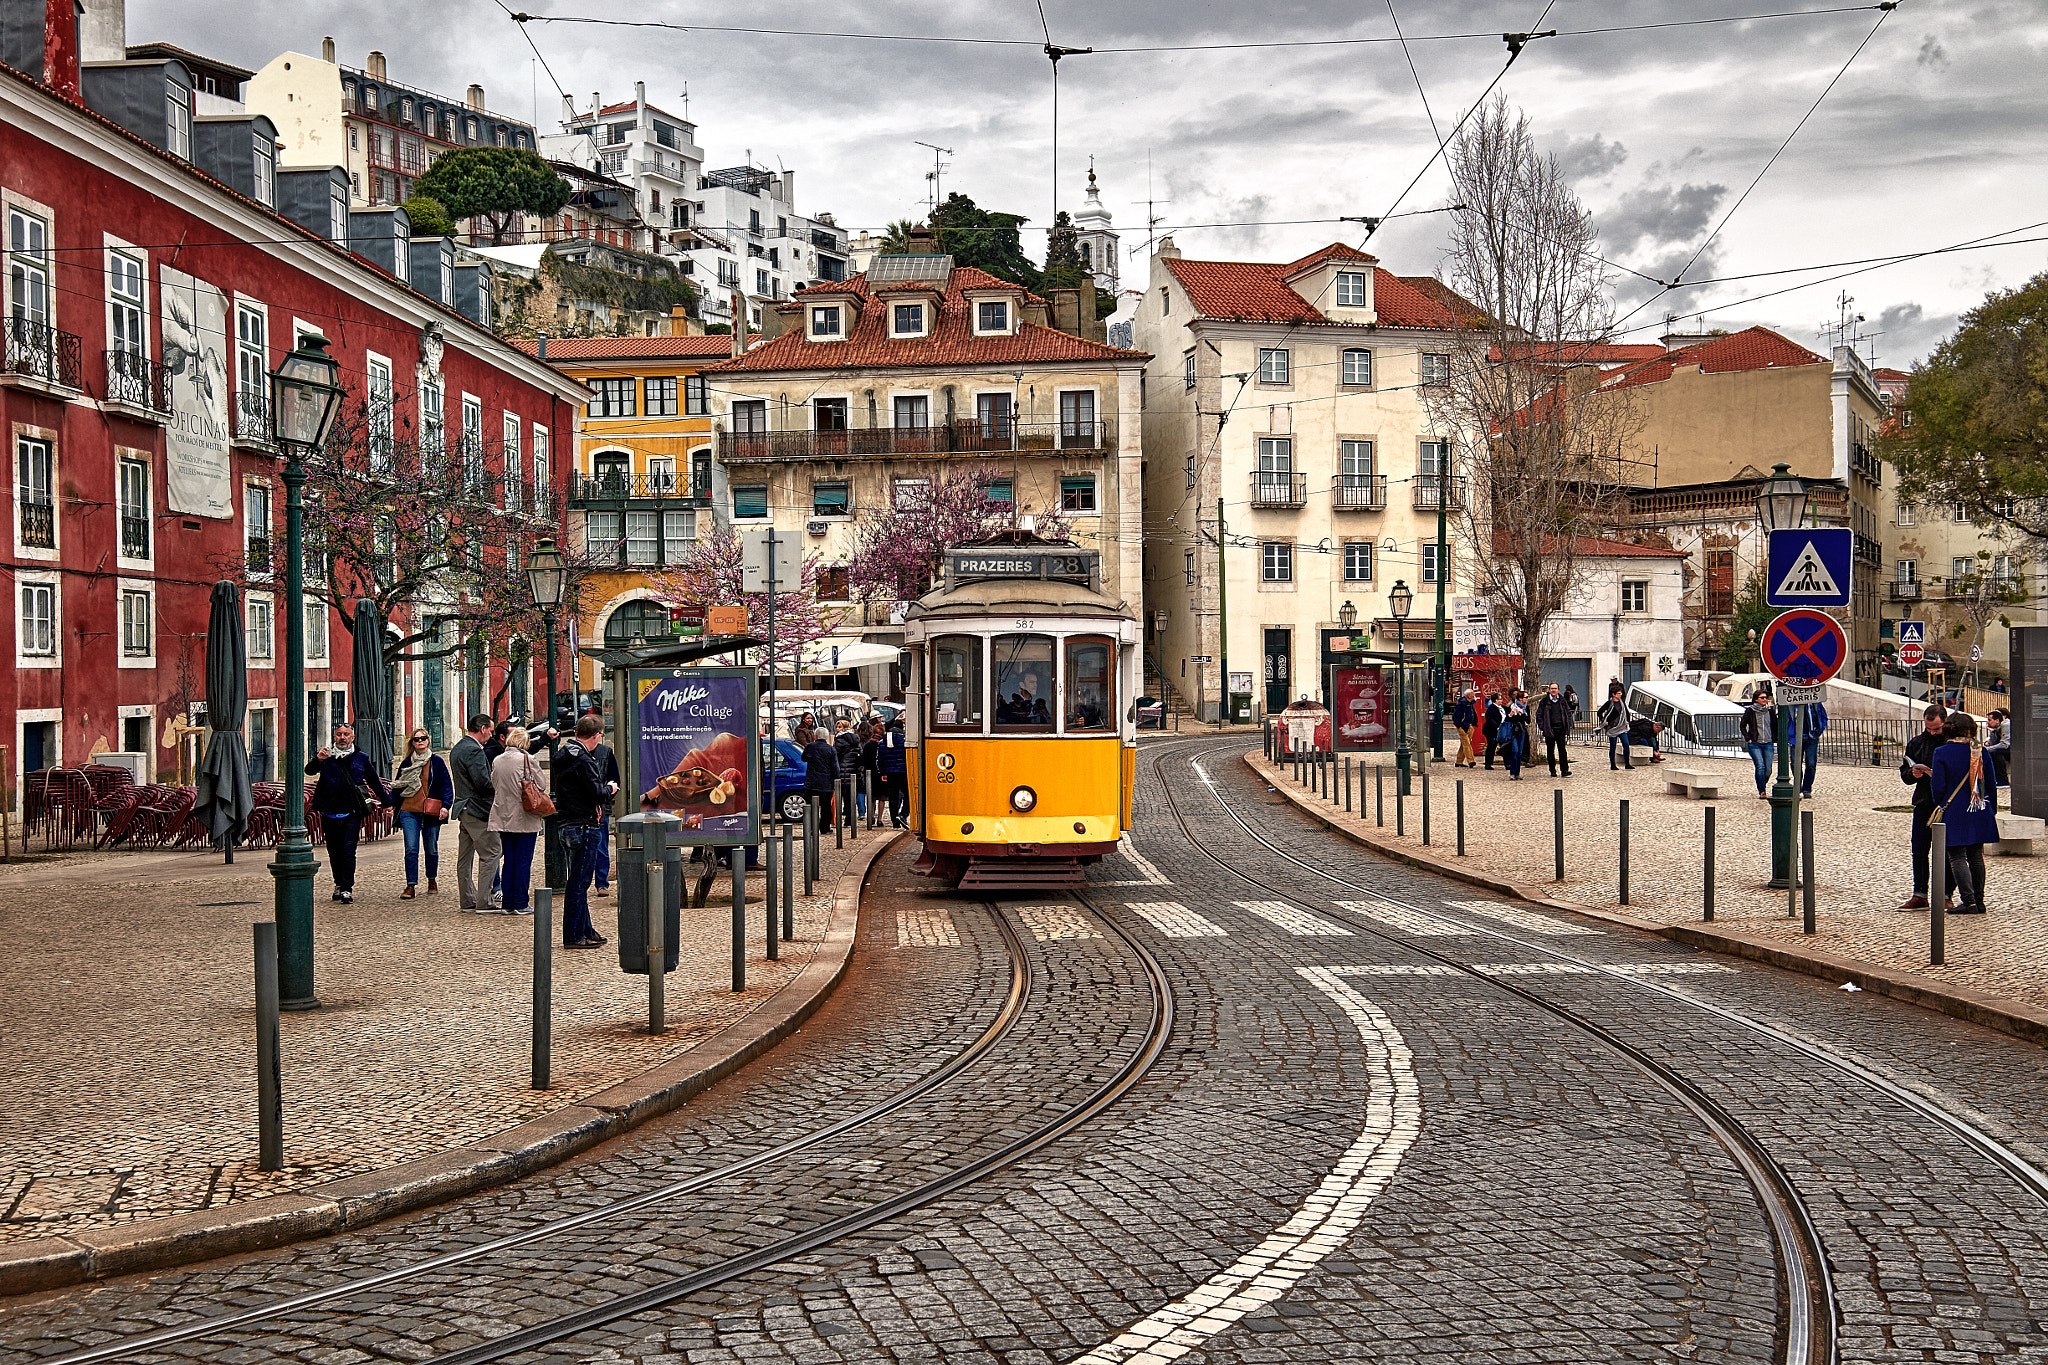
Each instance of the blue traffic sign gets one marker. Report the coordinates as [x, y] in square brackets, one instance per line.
[1912, 632]
[1804, 647]
[1810, 566]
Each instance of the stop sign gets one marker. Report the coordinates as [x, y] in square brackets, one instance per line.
[1910, 655]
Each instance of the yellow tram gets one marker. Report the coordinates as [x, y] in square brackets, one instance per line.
[1022, 719]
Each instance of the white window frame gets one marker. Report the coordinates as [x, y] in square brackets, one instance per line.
[250, 637]
[263, 172]
[733, 492]
[1906, 517]
[275, 553]
[1276, 561]
[897, 395]
[120, 254]
[379, 402]
[669, 405]
[1188, 370]
[823, 313]
[1268, 367]
[1351, 279]
[472, 442]
[433, 399]
[1009, 318]
[314, 608]
[1905, 571]
[924, 319]
[542, 458]
[1094, 507]
[123, 457]
[252, 354]
[23, 432]
[1636, 590]
[512, 463]
[177, 120]
[1432, 368]
[145, 589]
[1344, 371]
[35, 265]
[1363, 548]
[40, 584]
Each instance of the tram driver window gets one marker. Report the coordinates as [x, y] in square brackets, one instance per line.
[1024, 682]
[956, 682]
[1090, 699]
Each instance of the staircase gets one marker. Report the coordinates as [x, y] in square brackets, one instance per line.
[1155, 683]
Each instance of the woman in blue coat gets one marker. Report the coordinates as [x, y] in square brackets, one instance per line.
[421, 776]
[1969, 820]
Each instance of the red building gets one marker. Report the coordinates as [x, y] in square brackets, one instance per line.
[157, 266]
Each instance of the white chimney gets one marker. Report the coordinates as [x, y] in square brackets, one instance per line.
[327, 49]
[376, 66]
[476, 98]
[568, 113]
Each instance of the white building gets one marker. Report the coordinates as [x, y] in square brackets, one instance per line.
[1625, 621]
[1096, 238]
[640, 145]
[748, 237]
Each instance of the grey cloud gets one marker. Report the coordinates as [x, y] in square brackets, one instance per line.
[1651, 215]
[1590, 158]
[1909, 334]
[1933, 54]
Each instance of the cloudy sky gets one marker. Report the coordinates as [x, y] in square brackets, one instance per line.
[1931, 138]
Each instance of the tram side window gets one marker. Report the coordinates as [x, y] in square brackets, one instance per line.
[1091, 695]
[1024, 678]
[956, 682]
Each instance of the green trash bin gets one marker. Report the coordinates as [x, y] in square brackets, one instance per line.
[1240, 708]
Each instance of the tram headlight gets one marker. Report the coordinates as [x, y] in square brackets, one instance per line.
[1023, 799]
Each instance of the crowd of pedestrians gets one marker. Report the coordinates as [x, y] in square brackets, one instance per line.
[868, 746]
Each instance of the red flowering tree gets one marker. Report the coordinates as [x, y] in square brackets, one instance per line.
[899, 550]
[710, 576]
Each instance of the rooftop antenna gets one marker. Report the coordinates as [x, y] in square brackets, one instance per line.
[1153, 218]
[686, 101]
[932, 175]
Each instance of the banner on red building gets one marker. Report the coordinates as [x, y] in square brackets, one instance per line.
[195, 339]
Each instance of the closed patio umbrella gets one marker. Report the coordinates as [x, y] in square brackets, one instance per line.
[225, 800]
[366, 674]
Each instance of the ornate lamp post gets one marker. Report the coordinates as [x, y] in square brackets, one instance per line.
[545, 579]
[1347, 620]
[1781, 506]
[1401, 600]
[305, 392]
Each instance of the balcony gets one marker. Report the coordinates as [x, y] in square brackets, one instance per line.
[256, 550]
[134, 537]
[1271, 489]
[252, 419]
[1905, 592]
[38, 356]
[1429, 489]
[38, 524]
[1359, 493]
[1864, 461]
[138, 386]
[1868, 551]
[955, 438]
[606, 489]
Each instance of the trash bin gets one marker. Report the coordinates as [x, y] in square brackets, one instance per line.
[1240, 708]
[631, 937]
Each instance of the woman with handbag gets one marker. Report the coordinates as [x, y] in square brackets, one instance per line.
[425, 790]
[519, 803]
[1969, 821]
[348, 790]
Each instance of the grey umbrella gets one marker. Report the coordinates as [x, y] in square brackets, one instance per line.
[225, 800]
[366, 674]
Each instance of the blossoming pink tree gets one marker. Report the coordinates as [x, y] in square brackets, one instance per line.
[710, 576]
[899, 550]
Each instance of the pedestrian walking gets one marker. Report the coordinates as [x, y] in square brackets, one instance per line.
[1571, 701]
[1554, 723]
[1970, 821]
[1915, 770]
[821, 772]
[1814, 725]
[349, 789]
[892, 762]
[1496, 717]
[1465, 716]
[1515, 735]
[582, 792]
[1615, 725]
[1760, 735]
[517, 826]
[426, 793]
[607, 766]
[477, 846]
[846, 752]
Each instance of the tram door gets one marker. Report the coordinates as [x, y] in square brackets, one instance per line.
[1279, 655]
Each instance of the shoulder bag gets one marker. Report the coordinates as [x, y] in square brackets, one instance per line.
[531, 796]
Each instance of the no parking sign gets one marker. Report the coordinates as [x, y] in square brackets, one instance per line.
[1804, 646]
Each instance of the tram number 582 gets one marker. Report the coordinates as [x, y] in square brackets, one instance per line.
[945, 766]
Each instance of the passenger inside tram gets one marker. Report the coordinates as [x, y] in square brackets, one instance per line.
[1024, 670]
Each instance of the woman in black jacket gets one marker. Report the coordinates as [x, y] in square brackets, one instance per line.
[821, 772]
[338, 799]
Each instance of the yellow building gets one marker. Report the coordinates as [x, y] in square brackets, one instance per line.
[640, 493]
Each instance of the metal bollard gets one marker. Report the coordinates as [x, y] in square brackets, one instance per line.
[1461, 817]
[839, 814]
[768, 898]
[1624, 850]
[1707, 894]
[543, 985]
[1400, 808]
[1806, 863]
[1347, 784]
[653, 836]
[1425, 808]
[1379, 795]
[1937, 920]
[1329, 767]
[788, 882]
[269, 1069]
[1557, 828]
[739, 917]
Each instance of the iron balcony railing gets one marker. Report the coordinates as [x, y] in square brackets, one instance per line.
[138, 383]
[996, 434]
[134, 537]
[1270, 489]
[1360, 493]
[605, 488]
[1905, 592]
[1430, 487]
[252, 418]
[1868, 550]
[39, 351]
[39, 524]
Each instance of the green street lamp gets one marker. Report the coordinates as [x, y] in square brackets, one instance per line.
[305, 393]
[1781, 506]
[546, 579]
[1401, 600]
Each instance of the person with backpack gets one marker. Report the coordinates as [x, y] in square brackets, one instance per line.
[350, 788]
[1969, 821]
[1760, 736]
[846, 750]
[606, 764]
[1613, 717]
[581, 793]
[892, 763]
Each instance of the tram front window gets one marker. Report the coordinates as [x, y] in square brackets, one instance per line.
[1090, 696]
[956, 682]
[1024, 682]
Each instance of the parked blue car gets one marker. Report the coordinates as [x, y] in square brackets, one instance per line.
[786, 793]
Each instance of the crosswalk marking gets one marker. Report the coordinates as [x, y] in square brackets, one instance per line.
[1537, 969]
[925, 926]
[1409, 921]
[1524, 919]
[1055, 923]
[1300, 923]
[1175, 920]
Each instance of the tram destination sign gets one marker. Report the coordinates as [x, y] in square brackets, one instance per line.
[1003, 562]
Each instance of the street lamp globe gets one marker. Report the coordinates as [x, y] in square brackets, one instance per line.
[1347, 615]
[1781, 501]
[1401, 599]
[545, 577]
[305, 393]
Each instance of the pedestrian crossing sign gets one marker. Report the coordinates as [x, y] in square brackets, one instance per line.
[1810, 566]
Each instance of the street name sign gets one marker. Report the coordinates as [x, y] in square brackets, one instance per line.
[1200, 659]
[1810, 567]
[1804, 647]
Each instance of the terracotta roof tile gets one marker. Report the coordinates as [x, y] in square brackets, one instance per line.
[1250, 291]
[626, 348]
[1754, 348]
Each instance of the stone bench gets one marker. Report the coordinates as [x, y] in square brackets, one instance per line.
[1688, 782]
[2020, 836]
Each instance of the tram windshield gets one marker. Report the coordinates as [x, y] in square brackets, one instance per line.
[1090, 698]
[1024, 682]
[956, 682]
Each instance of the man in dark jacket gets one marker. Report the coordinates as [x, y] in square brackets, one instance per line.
[846, 748]
[821, 772]
[1465, 717]
[892, 766]
[579, 791]
[607, 765]
[1496, 716]
[1554, 723]
[1914, 771]
[477, 849]
[344, 770]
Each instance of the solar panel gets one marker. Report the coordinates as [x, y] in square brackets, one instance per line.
[903, 269]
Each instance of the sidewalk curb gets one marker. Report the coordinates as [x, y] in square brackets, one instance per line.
[2023, 1021]
[357, 1201]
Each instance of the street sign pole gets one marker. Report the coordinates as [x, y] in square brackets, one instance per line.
[1802, 648]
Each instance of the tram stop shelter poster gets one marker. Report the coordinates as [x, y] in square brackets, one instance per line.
[692, 750]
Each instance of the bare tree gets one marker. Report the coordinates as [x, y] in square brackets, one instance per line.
[1544, 448]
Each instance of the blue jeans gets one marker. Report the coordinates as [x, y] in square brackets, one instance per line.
[419, 829]
[1613, 740]
[603, 862]
[518, 868]
[1812, 747]
[1760, 755]
[579, 846]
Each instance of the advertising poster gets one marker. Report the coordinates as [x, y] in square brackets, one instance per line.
[1362, 708]
[195, 335]
[693, 751]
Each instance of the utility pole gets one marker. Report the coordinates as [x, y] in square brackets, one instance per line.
[1222, 621]
[1441, 658]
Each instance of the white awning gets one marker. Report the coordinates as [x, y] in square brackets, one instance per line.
[818, 657]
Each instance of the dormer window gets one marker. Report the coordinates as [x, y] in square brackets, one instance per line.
[265, 175]
[1351, 289]
[907, 320]
[825, 322]
[992, 316]
[177, 120]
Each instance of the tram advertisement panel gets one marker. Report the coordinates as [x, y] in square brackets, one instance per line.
[693, 750]
[1362, 709]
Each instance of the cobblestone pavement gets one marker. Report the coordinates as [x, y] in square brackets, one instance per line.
[1862, 855]
[1347, 1150]
[127, 1070]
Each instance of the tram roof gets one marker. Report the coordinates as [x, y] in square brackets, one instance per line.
[1016, 597]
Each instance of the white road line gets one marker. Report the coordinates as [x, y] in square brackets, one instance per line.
[925, 926]
[1409, 921]
[1325, 1220]
[1148, 875]
[1540, 969]
[1297, 922]
[1175, 920]
[1525, 919]
[1053, 923]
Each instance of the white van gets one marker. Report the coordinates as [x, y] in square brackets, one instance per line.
[829, 707]
[1695, 721]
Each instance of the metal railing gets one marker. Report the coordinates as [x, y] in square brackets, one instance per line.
[1278, 489]
[134, 537]
[607, 487]
[1868, 550]
[252, 417]
[1905, 592]
[1428, 488]
[952, 438]
[1359, 493]
[40, 351]
[39, 524]
[137, 382]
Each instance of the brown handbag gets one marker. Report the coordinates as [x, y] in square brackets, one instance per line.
[536, 801]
